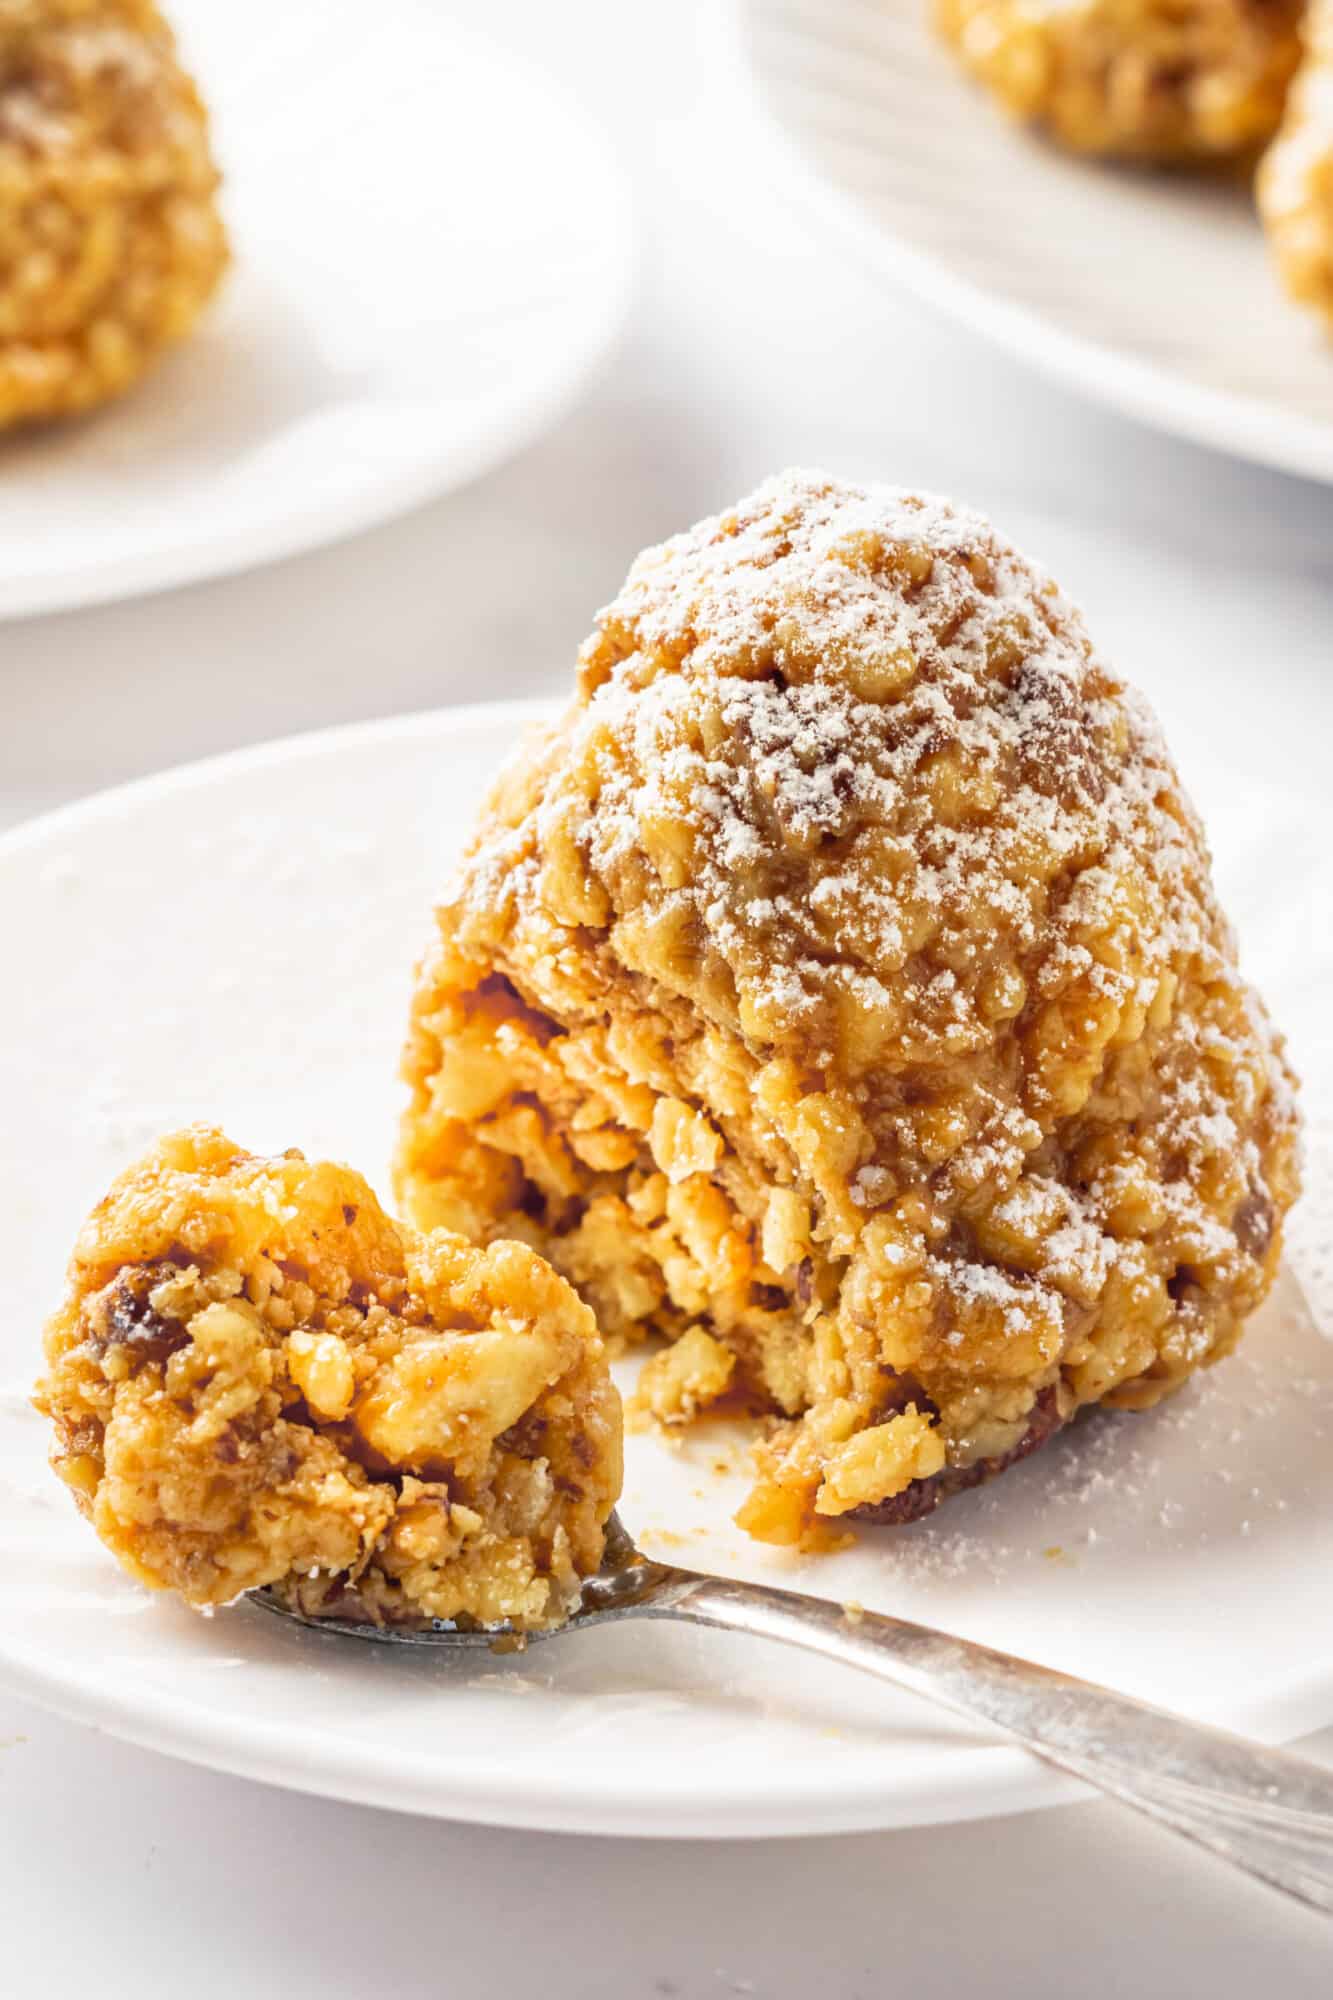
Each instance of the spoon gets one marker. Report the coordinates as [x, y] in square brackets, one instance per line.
[1264, 1811]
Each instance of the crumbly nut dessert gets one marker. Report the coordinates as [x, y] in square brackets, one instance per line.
[1295, 181]
[840, 985]
[1153, 80]
[110, 238]
[258, 1378]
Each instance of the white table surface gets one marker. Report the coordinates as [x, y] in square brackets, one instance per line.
[753, 343]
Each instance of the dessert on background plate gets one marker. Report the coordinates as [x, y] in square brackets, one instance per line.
[257, 1378]
[111, 243]
[1165, 85]
[1134, 79]
[1295, 183]
[838, 994]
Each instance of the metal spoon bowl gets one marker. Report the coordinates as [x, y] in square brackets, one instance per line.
[1268, 1813]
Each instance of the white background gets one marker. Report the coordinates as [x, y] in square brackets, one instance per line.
[753, 343]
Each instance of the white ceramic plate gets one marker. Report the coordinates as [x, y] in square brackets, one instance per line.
[234, 941]
[431, 252]
[1151, 292]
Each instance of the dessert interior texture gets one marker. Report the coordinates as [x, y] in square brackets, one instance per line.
[837, 995]
[111, 242]
[258, 1378]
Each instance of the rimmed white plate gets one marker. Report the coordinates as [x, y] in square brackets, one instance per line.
[1149, 292]
[234, 941]
[431, 253]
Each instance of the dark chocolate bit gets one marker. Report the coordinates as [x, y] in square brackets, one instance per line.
[1183, 1287]
[122, 1316]
[583, 1449]
[526, 1438]
[923, 1496]
[349, 1213]
[228, 1446]
[532, 1202]
[768, 1298]
[496, 983]
[1253, 1223]
[805, 1281]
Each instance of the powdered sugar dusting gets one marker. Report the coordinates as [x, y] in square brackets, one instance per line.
[847, 781]
[899, 716]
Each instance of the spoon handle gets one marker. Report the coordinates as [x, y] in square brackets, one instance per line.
[1266, 1812]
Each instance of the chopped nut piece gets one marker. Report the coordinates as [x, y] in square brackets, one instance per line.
[879, 1462]
[322, 1370]
[685, 1377]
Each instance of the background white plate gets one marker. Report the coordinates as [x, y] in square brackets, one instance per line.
[431, 251]
[1152, 292]
[235, 941]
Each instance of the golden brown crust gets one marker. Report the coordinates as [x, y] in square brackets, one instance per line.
[110, 238]
[257, 1378]
[1149, 80]
[843, 975]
